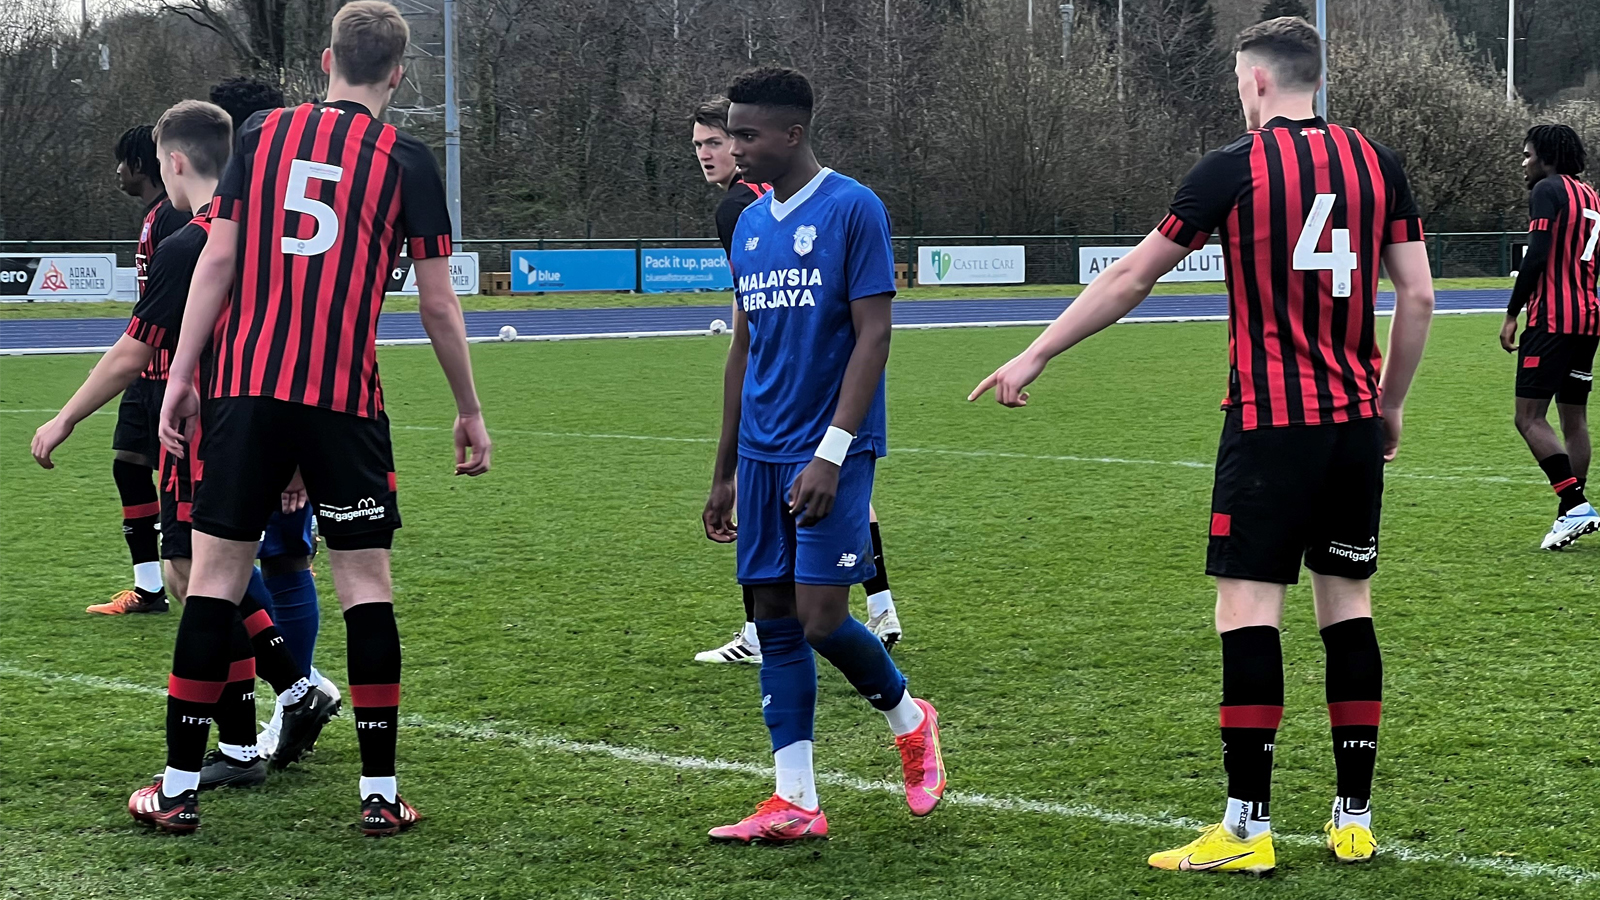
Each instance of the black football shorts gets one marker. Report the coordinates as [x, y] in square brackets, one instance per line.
[1556, 365]
[251, 447]
[1293, 493]
[139, 419]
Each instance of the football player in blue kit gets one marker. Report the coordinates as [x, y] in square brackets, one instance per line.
[803, 426]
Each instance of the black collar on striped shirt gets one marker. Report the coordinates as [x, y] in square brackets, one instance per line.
[1286, 122]
[350, 106]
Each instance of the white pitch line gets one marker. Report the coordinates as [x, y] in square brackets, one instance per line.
[978, 454]
[536, 742]
[932, 451]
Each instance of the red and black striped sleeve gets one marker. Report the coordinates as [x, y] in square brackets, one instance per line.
[1207, 195]
[424, 214]
[234, 186]
[1404, 222]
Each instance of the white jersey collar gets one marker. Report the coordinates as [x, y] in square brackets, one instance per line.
[782, 208]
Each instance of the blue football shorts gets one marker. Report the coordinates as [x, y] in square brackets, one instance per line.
[834, 551]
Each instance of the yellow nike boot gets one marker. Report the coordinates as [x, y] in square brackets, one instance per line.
[1351, 842]
[1218, 850]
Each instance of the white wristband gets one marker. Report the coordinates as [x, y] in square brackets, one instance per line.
[835, 445]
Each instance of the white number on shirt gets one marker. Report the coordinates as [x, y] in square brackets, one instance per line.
[1341, 260]
[1588, 249]
[301, 171]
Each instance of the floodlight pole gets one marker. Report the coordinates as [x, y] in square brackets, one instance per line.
[1511, 50]
[1322, 32]
[1119, 51]
[452, 123]
[1067, 13]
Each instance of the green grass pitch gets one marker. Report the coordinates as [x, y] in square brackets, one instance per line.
[1047, 563]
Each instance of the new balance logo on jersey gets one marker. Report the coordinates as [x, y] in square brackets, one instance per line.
[847, 560]
[751, 244]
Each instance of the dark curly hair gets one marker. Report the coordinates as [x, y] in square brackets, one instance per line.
[244, 97]
[773, 86]
[1559, 146]
[137, 148]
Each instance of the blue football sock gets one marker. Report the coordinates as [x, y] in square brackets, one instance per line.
[788, 681]
[256, 589]
[860, 657]
[298, 616]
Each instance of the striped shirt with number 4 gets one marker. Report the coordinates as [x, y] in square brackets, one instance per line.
[1304, 210]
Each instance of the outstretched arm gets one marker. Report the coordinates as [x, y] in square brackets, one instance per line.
[1114, 294]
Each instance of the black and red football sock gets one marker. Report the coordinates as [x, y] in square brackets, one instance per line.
[1252, 709]
[1568, 487]
[1355, 705]
[879, 582]
[749, 603]
[373, 652]
[199, 674]
[274, 663]
[236, 711]
[141, 511]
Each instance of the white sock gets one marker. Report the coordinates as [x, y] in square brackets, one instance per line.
[239, 752]
[1246, 819]
[295, 693]
[906, 717]
[147, 576]
[1347, 810]
[797, 783]
[176, 781]
[750, 636]
[387, 787]
[879, 603]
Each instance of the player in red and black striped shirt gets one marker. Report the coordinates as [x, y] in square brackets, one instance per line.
[193, 139]
[310, 218]
[1306, 211]
[134, 441]
[1556, 357]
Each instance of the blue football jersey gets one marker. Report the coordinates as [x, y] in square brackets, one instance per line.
[798, 265]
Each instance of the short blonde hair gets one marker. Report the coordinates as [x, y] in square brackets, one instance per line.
[202, 131]
[369, 40]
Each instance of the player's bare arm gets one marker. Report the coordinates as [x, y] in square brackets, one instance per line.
[440, 309]
[208, 290]
[812, 494]
[110, 377]
[1408, 268]
[718, 514]
[1114, 294]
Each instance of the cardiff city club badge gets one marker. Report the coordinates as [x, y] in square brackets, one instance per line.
[805, 237]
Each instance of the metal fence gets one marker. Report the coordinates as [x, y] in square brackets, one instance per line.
[1051, 258]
